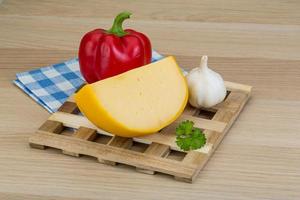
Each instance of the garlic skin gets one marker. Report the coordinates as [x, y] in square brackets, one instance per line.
[206, 87]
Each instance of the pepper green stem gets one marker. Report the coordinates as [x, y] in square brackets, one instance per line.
[117, 28]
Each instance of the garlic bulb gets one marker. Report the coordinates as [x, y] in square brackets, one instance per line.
[206, 87]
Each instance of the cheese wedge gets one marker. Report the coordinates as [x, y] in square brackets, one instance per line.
[138, 102]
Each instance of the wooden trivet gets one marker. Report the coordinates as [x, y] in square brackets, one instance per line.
[71, 132]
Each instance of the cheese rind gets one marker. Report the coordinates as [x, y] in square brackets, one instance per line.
[138, 102]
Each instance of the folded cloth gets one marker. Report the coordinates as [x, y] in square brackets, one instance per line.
[51, 86]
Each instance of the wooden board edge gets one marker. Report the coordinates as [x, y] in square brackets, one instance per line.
[113, 154]
[216, 144]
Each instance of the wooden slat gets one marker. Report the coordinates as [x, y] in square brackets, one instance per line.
[189, 110]
[114, 154]
[234, 100]
[223, 115]
[68, 107]
[84, 134]
[75, 121]
[203, 123]
[231, 86]
[216, 137]
[120, 142]
[194, 158]
[49, 126]
[155, 149]
[37, 146]
[52, 126]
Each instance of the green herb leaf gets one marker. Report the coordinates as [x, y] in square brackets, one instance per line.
[189, 137]
[185, 127]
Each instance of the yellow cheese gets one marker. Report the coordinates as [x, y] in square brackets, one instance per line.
[138, 102]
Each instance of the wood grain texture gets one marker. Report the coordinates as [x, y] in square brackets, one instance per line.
[251, 42]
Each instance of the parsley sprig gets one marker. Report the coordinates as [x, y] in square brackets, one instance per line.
[189, 137]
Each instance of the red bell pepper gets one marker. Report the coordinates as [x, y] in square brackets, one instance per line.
[106, 53]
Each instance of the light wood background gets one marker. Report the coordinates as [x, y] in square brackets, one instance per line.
[252, 42]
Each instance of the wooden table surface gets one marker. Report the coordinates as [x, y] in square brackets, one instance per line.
[252, 42]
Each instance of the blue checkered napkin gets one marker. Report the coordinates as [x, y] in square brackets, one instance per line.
[51, 86]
